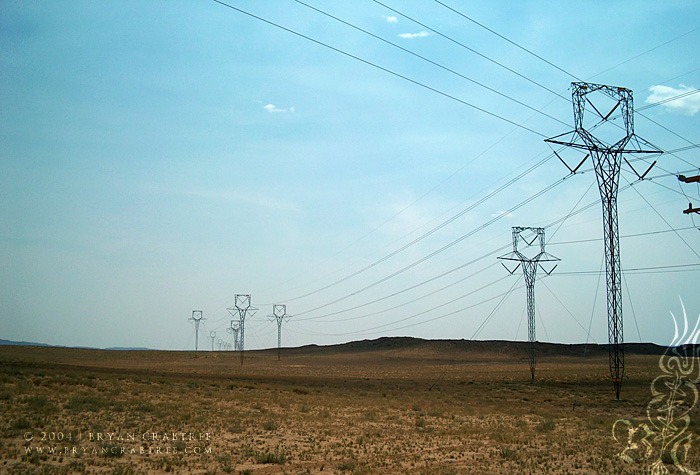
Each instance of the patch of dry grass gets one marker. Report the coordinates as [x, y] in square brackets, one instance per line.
[364, 413]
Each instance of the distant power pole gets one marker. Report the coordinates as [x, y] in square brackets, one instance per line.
[606, 149]
[197, 317]
[544, 261]
[279, 314]
[212, 335]
[242, 309]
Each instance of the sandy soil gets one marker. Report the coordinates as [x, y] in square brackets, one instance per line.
[388, 406]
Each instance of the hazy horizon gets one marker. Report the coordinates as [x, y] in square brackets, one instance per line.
[161, 157]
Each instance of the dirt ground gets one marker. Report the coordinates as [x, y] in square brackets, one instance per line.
[384, 406]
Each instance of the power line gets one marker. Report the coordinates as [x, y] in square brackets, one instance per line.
[562, 304]
[573, 75]
[647, 51]
[668, 99]
[640, 270]
[442, 249]
[424, 235]
[495, 309]
[381, 68]
[472, 50]
[488, 317]
[649, 233]
[506, 39]
[561, 220]
[407, 289]
[590, 323]
[434, 63]
[418, 199]
[680, 75]
[668, 224]
[554, 65]
[445, 315]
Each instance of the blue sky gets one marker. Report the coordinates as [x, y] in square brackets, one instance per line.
[160, 157]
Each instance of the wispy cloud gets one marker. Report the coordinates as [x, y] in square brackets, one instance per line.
[688, 105]
[240, 197]
[274, 108]
[410, 36]
[391, 19]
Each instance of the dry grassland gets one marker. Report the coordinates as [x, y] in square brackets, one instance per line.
[387, 406]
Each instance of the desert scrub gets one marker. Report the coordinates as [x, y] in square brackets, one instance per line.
[270, 425]
[278, 458]
[546, 426]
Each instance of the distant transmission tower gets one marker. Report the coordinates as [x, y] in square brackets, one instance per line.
[233, 329]
[279, 314]
[606, 148]
[197, 317]
[212, 335]
[544, 261]
[242, 309]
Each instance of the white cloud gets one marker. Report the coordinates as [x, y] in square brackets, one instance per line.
[391, 19]
[410, 36]
[688, 105]
[274, 108]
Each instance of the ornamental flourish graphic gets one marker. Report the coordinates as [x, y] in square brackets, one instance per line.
[664, 440]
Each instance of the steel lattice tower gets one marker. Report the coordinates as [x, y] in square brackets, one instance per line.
[233, 329]
[279, 314]
[545, 261]
[243, 309]
[606, 149]
[197, 317]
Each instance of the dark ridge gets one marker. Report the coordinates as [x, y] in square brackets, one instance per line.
[21, 343]
[480, 346]
[127, 348]
[502, 347]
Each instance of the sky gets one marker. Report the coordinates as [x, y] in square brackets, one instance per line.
[361, 162]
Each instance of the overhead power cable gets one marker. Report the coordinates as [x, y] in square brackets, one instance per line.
[639, 270]
[649, 50]
[649, 233]
[434, 63]
[426, 234]
[506, 39]
[472, 50]
[381, 68]
[668, 224]
[668, 99]
[422, 322]
[442, 249]
[412, 287]
[561, 69]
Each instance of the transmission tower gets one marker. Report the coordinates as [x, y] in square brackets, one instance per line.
[212, 335]
[279, 314]
[606, 149]
[197, 317]
[242, 309]
[544, 261]
[233, 330]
